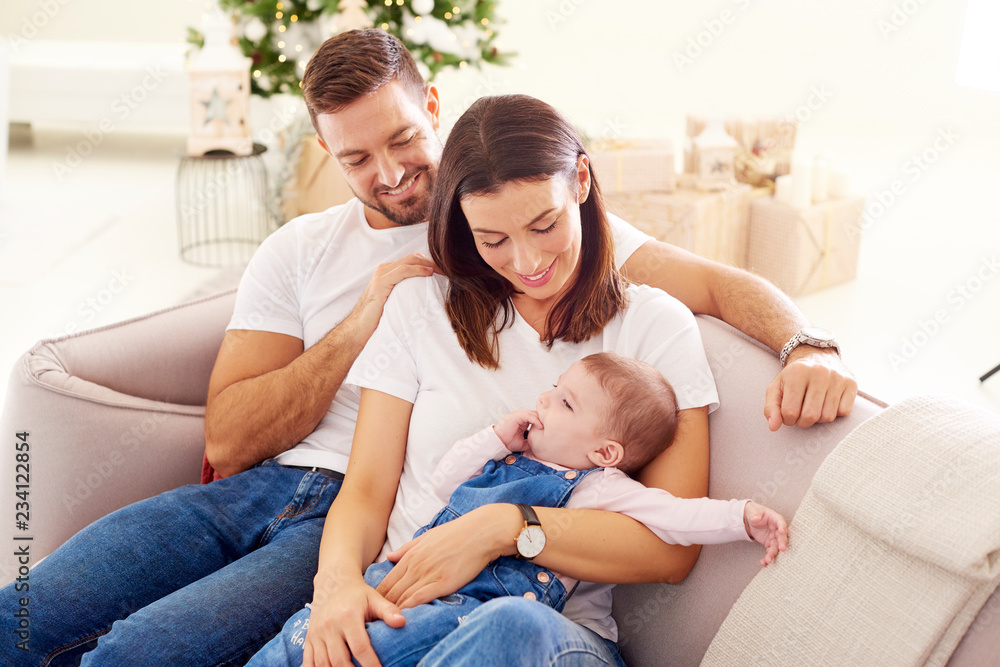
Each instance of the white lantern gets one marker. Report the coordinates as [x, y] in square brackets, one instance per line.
[220, 93]
[714, 156]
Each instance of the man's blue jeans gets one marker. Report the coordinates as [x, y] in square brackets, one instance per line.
[201, 575]
[503, 632]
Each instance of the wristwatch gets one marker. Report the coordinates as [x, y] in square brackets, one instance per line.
[531, 540]
[809, 336]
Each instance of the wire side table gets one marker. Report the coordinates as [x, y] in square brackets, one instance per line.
[223, 212]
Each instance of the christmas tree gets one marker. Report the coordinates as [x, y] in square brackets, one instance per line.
[281, 35]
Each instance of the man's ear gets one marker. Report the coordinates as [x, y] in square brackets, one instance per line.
[322, 144]
[433, 103]
[608, 455]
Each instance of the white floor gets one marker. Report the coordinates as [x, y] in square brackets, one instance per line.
[100, 245]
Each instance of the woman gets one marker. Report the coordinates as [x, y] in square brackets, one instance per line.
[518, 228]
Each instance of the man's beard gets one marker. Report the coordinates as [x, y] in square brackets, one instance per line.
[414, 208]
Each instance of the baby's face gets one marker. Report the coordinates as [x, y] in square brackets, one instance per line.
[571, 414]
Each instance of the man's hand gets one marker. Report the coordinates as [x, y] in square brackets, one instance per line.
[768, 527]
[448, 556]
[511, 429]
[368, 310]
[337, 624]
[814, 386]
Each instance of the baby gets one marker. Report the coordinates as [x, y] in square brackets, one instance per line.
[607, 417]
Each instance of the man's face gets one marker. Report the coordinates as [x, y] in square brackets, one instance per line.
[387, 147]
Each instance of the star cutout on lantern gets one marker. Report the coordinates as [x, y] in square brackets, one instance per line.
[719, 167]
[215, 107]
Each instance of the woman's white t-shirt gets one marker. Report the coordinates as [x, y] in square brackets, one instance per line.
[414, 355]
[305, 279]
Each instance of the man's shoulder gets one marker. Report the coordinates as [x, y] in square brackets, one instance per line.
[311, 232]
[319, 222]
[652, 307]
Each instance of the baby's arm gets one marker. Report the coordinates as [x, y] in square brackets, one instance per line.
[682, 520]
[465, 460]
[768, 527]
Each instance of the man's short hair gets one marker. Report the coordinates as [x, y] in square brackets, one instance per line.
[355, 64]
[642, 408]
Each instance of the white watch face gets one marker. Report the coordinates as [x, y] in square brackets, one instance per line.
[531, 541]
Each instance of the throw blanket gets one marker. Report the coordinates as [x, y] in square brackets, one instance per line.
[893, 551]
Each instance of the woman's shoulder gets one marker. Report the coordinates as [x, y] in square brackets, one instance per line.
[412, 293]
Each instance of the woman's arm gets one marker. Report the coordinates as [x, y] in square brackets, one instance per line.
[605, 547]
[590, 545]
[354, 533]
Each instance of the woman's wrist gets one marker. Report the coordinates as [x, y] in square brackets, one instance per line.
[330, 579]
[504, 522]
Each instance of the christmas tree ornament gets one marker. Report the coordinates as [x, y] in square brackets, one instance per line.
[220, 93]
[423, 7]
[354, 15]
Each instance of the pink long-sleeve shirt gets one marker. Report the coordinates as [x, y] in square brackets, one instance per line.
[674, 520]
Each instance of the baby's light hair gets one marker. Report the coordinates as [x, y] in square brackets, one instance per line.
[642, 410]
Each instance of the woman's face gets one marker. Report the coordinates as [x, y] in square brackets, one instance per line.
[529, 232]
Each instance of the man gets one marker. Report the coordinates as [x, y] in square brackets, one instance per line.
[207, 574]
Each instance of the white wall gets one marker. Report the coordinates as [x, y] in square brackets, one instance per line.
[612, 64]
[100, 20]
[608, 63]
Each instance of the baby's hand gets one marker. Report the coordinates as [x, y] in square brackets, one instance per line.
[511, 429]
[768, 527]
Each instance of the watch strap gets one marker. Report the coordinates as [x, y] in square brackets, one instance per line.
[528, 512]
[803, 338]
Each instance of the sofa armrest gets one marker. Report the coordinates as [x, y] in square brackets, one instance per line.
[113, 416]
[673, 625]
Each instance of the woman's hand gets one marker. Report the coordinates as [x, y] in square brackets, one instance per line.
[337, 623]
[449, 556]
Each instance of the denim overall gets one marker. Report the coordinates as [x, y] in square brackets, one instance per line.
[515, 479]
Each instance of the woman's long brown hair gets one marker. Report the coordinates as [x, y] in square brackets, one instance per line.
[508, 139]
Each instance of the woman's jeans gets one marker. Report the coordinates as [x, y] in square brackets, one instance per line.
[504, 632]
[201, 575]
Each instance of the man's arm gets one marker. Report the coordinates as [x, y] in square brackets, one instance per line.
[814, 386]
[266, 394]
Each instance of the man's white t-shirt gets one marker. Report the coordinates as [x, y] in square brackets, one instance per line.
[415, 355]
[308, 275]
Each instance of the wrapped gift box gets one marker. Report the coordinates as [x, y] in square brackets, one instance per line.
[710, 224]
[766, 146]
[804, 250]
[633, 165]
[318, 183]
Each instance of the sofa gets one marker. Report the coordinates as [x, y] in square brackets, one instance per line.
[115, 415]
